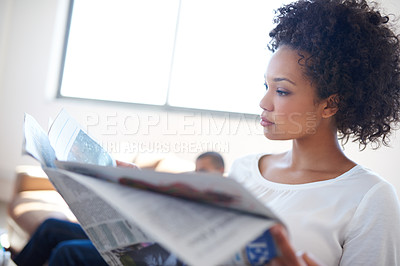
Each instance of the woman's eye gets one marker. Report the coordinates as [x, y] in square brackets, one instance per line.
[282, 92]
[266, 86]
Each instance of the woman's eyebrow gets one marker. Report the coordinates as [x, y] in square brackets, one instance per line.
[283, 79]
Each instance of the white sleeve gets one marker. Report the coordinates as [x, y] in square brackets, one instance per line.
[373, 235]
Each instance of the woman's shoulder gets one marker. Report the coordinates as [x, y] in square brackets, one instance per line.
[365, 177]
[369, 185]
[246, 165]
[254, 157]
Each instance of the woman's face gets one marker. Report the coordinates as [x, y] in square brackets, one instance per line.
[291, 109]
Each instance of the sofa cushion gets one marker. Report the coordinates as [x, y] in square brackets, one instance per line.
[29, 209]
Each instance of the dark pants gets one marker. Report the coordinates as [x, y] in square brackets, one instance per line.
[63, 243]
[60, 243]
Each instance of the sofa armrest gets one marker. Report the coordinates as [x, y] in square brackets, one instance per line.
[30, 177]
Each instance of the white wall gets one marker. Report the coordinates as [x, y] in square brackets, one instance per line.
[30, 41]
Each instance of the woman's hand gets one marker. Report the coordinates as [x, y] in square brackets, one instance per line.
[126, 164]
[288, 256]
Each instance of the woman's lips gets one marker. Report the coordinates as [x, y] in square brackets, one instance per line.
[265, 122]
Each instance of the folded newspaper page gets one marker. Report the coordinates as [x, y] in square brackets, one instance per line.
[201, 187]
[36, 143]
[197, 231]
[66, 141]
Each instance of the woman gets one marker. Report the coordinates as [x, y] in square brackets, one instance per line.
[335, 70]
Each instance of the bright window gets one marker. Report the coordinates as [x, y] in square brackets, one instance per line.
[208, 54]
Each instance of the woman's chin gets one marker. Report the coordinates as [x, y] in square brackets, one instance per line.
[275, 136]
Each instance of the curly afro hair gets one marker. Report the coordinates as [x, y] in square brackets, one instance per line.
[355, 55]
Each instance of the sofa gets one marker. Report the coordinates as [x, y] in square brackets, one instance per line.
[35, 199]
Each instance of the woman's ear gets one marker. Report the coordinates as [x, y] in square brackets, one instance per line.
[331, 106]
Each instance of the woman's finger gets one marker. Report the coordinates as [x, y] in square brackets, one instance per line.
[126, 164]
[288, 255]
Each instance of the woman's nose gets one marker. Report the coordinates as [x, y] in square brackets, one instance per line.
[266, 102]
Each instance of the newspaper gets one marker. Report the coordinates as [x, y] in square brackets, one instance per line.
[206, 229]
[136, 217]
[66, 141]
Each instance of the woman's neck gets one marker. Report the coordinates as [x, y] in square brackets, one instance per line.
[318, 153]
[310, 159]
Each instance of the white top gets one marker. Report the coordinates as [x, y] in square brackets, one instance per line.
[353, 219]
